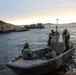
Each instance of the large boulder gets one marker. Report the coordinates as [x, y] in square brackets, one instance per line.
[7, 27]
[34, 26]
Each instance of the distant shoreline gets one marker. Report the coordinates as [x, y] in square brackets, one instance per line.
[7, 27]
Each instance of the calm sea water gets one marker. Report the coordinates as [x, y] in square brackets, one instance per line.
[12, 43]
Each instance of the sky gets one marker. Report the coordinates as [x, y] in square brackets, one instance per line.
[21, 12]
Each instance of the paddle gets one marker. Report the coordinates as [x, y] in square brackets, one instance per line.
[57, 24]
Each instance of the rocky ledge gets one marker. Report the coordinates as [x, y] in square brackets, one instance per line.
[7, 27]
[34, 26]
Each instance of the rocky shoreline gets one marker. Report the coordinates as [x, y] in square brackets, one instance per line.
[7, 27]
[34, 26]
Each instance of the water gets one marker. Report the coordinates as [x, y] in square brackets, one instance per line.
[12, 43]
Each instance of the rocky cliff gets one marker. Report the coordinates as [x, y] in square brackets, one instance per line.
[7, 27]
[34, 26]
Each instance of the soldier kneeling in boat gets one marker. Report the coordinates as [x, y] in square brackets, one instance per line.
[26, 52]
[51, 53]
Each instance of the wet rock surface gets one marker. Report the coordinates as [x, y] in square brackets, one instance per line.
[34, 26]
[7, 27]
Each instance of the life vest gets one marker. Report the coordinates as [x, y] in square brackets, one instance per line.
[50, 42]
[27, 53]
[66, 36]
[51, 54]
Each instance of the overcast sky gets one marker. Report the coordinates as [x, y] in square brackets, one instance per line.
[34, 11]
